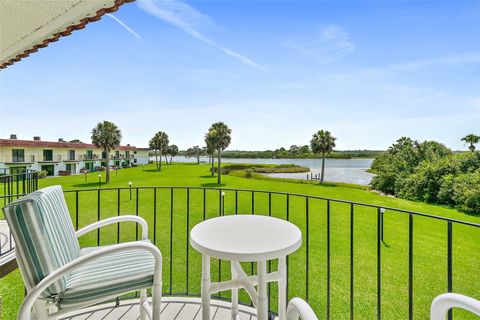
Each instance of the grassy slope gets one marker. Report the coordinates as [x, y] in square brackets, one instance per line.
[429, 254]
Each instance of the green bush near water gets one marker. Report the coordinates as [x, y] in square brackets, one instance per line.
[429, 172]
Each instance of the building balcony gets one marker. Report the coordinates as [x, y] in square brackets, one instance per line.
[68, 158]
[52, 159]
[357, 260]
[10, 160]
[92, 158]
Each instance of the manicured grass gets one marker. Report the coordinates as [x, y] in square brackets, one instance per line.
[430, 243]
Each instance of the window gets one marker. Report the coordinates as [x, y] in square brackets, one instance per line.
[127, 154]
[47, 155]
[18, 155]
[68, 167]
[71, 155]
[90, 154]
[117, 154]
[104, 155]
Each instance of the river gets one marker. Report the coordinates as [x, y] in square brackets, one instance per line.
[336, 170]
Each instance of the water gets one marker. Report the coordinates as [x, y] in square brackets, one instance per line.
[336, 170]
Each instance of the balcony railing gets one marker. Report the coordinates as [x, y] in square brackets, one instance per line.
[13, 186]
[11, 159]
[53, 158]
[90, 157]
[357, 260]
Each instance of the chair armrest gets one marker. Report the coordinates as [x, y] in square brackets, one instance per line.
[299, 308]
[447, 301]
[106, 222]
[26, 307]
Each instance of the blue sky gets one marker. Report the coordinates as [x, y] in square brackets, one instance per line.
[274, 71]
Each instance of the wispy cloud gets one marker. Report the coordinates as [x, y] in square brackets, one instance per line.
[186, 18]
[123, 24]
[448, 60]
[330, 43]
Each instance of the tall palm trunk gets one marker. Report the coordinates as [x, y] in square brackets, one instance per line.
[219, 173]
[323, 166]
[107, 179]
[160, 163]
[213, 164]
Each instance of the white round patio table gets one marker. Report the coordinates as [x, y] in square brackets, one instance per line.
[246, 238]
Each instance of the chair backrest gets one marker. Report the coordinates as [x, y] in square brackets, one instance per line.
[44, 236]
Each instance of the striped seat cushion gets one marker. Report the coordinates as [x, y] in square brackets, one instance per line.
[44, 236]
[108, 277]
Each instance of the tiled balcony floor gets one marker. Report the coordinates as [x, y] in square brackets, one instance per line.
[173, 308]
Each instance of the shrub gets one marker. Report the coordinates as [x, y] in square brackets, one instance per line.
[466, 192]
[429, 172]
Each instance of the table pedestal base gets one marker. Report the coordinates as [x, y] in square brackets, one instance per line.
[240, 280]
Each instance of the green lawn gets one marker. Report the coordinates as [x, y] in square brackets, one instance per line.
[430, 244]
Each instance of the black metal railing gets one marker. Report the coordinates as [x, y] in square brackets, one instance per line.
[357, 260]
[374, 234]
[13, 186]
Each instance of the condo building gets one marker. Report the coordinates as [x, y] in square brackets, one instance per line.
[63, 158]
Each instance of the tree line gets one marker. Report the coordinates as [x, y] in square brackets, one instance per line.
[429, 171]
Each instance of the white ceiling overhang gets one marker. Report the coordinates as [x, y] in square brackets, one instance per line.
[28, 25]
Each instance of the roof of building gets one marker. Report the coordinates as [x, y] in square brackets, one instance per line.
[56, 144]
[28, 25]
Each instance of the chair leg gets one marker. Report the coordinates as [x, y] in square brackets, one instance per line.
[40, 310]
[143, 299]
[156, 298]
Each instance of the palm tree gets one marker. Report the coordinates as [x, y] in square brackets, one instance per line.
[218, 137]
[210, 150]
[172, 151]
[322, 142]
[159, 143]
[106, 135]
[195, 152]
[472, 139]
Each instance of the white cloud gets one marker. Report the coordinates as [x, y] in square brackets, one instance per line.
[186, 18]
[330, 43]
[448, 60]
[123, 24]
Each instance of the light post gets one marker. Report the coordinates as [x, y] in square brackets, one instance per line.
[382, 212]
[86, 171]
[99, 180]
[130, 185]
[223, 203]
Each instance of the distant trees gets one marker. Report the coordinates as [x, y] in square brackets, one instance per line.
[195, 152]
[159, 144]
[322, 142]
[75, 141]
[172, 151]
[472, 139]
[294, 149]
[218, 138]
[428, 171]
[107, 136]
[304, 149]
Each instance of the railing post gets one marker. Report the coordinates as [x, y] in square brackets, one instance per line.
[379, 264]
[449, 263]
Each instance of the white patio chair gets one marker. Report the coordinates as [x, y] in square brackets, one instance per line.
[444, 302]
[61, 277]
[299, 309]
